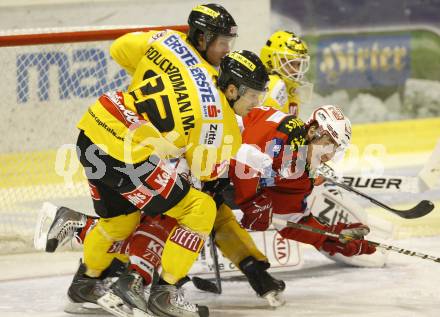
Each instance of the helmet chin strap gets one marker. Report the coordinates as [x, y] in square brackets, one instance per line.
[233, 101]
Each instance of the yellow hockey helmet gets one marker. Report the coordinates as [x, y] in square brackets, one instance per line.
[286, 55]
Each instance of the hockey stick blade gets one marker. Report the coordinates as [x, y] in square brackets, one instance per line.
[421, 209]
[205, 285]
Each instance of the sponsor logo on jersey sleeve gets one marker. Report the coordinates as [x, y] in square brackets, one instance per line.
[211, 134]
[209, 98]
[184, 52]
[212, 111]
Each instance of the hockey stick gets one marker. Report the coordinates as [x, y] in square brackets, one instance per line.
[214, 254]
[347, 237]
[421, 209]
[204, 284]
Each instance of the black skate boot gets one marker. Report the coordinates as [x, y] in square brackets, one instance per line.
[84, 291]
[264, 284]
[126, 296]
[63, 227]
[169, 300]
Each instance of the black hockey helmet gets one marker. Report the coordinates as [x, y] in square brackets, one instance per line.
[212, 20]
[243, 68]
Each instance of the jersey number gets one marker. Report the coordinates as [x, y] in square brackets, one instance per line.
[150, 106]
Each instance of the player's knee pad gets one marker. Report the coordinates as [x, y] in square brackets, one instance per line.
[147, 244]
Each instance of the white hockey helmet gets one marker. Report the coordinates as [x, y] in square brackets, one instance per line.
[332, 121]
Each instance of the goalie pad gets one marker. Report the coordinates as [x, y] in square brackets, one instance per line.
[331, 205]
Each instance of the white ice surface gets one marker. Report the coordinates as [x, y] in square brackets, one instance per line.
[406, 287]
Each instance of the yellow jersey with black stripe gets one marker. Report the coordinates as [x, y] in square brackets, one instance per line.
[146, 54]
[282, 96]
[179, 114]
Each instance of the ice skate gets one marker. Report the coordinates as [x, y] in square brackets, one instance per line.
[84, 292]
[125, 295]
[265, 285]
[63, 227]
[169, 300]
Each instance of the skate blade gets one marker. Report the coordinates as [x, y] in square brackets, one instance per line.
[84, 309]
[114, 305]
[274, 299]
[45, 216]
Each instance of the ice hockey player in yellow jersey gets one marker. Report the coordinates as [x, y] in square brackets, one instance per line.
[212, 33]
[287, 60]
[123, 143]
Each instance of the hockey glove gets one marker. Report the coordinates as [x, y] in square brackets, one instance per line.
[348, 247]
[257, 213]
[215, 189]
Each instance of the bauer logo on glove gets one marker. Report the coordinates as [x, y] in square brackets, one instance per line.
[257, 213]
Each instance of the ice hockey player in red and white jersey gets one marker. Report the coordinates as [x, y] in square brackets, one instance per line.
[297, 149]
[286, 57]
